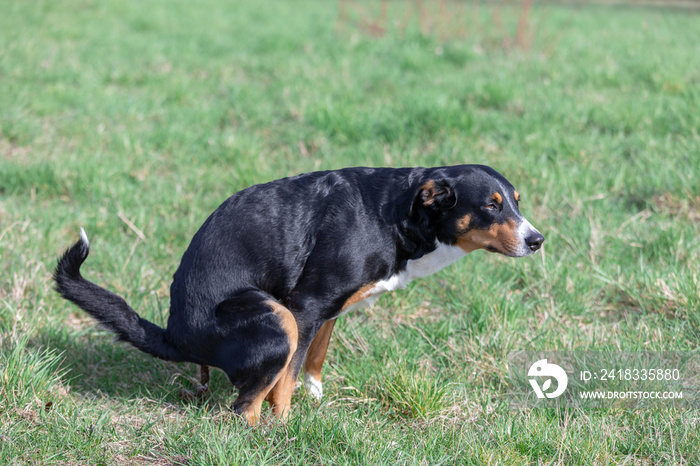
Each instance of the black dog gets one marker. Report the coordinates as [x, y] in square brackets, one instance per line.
[259, 287]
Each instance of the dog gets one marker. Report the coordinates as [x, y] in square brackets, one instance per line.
[259, 288]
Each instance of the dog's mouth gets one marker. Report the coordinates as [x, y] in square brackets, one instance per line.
[519, 253]
[509, 238]
[521, 248]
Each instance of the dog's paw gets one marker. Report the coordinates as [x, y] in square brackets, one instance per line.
[201, 393]
[315, 387]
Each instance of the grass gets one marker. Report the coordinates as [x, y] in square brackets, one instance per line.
[153, 113]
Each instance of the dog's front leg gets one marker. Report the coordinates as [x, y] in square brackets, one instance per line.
[315, 357]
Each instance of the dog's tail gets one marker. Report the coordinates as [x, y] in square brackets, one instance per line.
[109, 309]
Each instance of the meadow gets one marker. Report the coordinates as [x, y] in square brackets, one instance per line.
[135, 120]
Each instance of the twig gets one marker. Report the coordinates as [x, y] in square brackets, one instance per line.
[131, 225]
[131, 253]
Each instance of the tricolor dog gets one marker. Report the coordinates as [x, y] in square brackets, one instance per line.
[259, 287]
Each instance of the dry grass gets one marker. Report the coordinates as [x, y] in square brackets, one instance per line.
[508, 25]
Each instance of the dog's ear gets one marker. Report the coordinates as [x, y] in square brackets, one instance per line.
[434, 195]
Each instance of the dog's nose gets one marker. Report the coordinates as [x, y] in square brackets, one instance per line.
[534, 240]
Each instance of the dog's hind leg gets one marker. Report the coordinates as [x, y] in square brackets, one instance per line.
[280, 397]
[314, 359]
[261, 339]
[202, 389]
[204, 375]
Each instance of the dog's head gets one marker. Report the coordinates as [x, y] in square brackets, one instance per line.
[474, 207]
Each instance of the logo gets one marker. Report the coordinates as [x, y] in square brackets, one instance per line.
[542, 368]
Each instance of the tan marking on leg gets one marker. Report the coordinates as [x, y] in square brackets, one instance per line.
[281, 394]
[501, 236]
[318, 349]
[279, 397]
[252, 412]
[497, 197]
[288, 324]
[359, 295]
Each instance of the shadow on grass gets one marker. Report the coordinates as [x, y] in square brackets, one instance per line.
[97, 365]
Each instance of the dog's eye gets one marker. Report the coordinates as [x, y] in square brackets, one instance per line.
[490, 207]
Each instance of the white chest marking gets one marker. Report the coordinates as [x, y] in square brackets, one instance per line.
[430, 263]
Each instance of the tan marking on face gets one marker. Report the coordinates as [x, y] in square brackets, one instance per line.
[503, 237]
[463, 223]
[516, 195]
[359, 295]
[497, 197]
[318, 349]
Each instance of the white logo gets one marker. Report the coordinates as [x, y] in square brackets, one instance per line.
[542, 368]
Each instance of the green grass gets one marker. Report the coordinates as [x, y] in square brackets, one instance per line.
[157, 111]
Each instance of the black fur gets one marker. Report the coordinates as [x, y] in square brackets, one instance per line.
[308, 242]
[109, 309]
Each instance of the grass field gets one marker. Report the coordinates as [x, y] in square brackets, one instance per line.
[151, 114]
